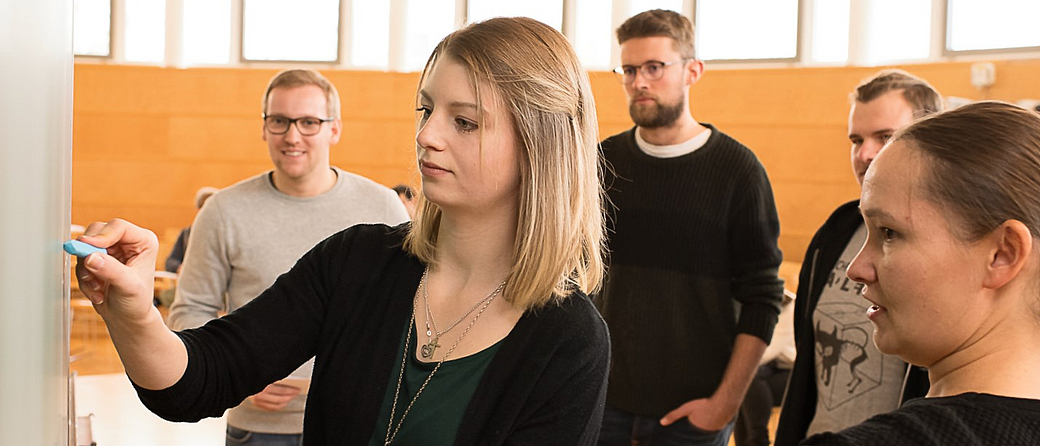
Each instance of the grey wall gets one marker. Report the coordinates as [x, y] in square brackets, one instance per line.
[35, 176]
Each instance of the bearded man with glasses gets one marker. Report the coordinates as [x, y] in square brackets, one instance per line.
[692, 293]
[248, 234]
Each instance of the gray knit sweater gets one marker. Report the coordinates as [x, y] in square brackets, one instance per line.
[250, 233]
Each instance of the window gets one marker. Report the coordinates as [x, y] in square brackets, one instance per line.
[549, 12]
[370, 34]
[593, 33]
[746, 29]
[145, 30]
[830, 31]
[304, 30]
[427, 22]
[974, 25]
[893, 30]
[638, 6]
[206, 34]
[92, 24]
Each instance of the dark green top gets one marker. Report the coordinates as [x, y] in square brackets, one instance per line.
[435, 418]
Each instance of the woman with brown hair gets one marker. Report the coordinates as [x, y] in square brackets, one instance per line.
[952, 267]
[470, 325]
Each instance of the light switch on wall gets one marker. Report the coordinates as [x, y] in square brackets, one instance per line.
[983, 74]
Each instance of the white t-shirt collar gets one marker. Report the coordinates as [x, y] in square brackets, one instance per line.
[674, 150]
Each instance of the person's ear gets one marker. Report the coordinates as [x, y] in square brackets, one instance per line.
[337, 127]
[694, 71]
[1011, 246]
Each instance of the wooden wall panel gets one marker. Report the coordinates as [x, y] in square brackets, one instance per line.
[145, 138]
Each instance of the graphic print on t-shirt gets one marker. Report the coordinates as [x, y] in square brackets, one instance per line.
[848, 363]
[854, 381]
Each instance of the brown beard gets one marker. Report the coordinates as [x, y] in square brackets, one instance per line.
[656, 116]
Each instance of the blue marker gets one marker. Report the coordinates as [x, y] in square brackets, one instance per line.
[80, 249]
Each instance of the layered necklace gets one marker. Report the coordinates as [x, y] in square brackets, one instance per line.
[432, 334]
[427, 349]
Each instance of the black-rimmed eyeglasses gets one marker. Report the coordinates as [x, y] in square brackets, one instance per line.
[651, 71]
[306, 125]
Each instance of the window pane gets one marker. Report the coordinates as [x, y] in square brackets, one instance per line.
[91, 25]
[897, 30]
[370, 31]
[145, 30]
[206, 36]
[638, 6]
[549, 12]
[830, 31]
[427, 22]
[593, 34]
[747, 29]
[992, 24]
[304, 30]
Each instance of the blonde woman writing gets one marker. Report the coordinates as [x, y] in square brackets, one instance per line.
[470, 325]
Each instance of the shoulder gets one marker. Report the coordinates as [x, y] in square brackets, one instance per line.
[241, 194]
[259, 183]
[375, 237]
[843, 222]
[625, 138]
[732, 150]
[359, 183]
[969, 419]
[573, 324]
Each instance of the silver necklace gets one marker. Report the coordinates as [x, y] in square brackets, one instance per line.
[392, 434]
[431, 345]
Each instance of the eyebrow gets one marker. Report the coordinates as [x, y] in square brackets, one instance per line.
[875, 133]
[455, 104]
[875, 213]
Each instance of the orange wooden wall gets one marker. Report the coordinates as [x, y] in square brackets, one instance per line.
[146, 138]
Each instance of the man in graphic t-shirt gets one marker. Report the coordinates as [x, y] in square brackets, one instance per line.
[839, 378]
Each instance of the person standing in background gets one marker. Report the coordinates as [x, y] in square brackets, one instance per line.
[839, 377]
[252, 232]
[692, 292]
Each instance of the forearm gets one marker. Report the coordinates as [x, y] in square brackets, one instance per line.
[747, 352]
[153, 356]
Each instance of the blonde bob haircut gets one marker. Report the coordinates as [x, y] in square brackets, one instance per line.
[536, 75]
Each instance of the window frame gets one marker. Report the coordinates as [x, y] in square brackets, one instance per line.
[950, 54]
[111, 34]
[242, 60]
[799, 52]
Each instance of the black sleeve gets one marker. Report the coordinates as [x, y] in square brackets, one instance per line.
[236, 356]
[755, 255]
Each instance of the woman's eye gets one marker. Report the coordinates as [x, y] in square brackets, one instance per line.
[424, 112]
[465, 125]
[888, 233]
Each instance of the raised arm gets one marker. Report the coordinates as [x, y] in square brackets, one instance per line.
[120, 284]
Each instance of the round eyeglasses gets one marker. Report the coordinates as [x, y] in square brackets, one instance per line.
[306, 125]
[651, 70]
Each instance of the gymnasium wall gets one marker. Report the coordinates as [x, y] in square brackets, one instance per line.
[145, 138]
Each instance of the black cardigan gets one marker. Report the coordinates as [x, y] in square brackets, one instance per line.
[345, 302]
[826, 247]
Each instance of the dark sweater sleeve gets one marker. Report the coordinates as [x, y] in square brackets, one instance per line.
[755, 255]
[236, 356]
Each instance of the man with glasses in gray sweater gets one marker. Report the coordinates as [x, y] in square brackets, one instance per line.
[248, 234]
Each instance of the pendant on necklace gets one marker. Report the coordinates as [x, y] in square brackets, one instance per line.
[427, 349]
